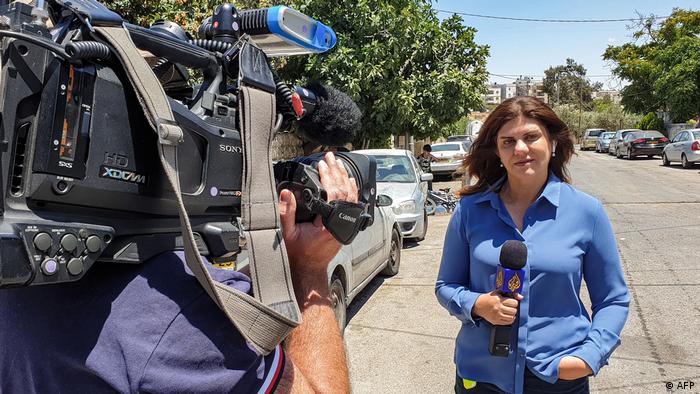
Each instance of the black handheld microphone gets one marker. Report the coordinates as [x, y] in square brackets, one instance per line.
[509, 282]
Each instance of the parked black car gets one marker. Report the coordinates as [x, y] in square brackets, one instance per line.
[639, 143]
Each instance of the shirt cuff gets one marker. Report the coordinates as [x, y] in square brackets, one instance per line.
[467, 300]
[589, 353]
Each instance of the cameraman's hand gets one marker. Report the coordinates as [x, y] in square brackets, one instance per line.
[310, 246]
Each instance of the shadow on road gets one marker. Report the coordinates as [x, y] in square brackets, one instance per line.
[359, 301]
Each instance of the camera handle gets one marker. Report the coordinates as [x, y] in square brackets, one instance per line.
[269, 317]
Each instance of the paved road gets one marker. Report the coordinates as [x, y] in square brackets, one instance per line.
[400, 340]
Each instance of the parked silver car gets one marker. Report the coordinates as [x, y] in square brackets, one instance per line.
[603, 141]
[399, 176]
[590, 137]
[617, 139]
[449, 156]
[375, 250]
[684, 147]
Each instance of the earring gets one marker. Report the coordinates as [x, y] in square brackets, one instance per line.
[554, 149]
[501, 165]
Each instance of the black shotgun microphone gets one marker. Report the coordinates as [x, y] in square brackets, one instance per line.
[509, 282]
[325, 115]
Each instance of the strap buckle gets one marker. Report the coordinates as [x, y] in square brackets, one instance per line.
[169, 132]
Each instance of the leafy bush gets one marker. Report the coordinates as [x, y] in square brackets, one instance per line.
[651, 122]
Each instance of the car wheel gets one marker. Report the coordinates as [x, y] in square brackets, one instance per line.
[629, 156]
[339, 303]
[425, 227]
[617, 153]
[430, 206]
[664, 160]
[392, 266]
[685, 163]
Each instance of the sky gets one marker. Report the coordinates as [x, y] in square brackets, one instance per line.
[529, 48]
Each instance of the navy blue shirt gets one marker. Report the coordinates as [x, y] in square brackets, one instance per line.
[128, 328]
[569, 238]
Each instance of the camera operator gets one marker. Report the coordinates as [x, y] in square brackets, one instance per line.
[152, 328]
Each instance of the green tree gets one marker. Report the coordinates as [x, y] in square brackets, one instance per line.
[609, 116]
[651, 122]
[407, 70]
[662, 66]
[567, 84]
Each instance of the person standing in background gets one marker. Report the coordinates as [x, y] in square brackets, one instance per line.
[424, 160]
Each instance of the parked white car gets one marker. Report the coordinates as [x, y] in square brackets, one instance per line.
[399, 176]
[683, 148]
[375, 250]
[449, 156]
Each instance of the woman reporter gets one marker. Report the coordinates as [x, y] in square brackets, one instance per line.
[523, 192]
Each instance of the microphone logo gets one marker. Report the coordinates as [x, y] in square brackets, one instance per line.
[499, 279]
[513, 283]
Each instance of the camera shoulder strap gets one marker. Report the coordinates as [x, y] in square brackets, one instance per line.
[269, 317]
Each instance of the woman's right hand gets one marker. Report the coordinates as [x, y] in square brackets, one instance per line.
[497, 309]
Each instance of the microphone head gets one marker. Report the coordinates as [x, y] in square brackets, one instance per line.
[335, 120]
[513, 254]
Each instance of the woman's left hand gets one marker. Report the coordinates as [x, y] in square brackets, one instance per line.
[572, 368]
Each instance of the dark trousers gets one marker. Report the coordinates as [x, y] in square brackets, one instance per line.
[533, 385]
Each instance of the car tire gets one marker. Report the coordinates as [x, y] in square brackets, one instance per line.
[617, 153]
[425, 228]
[664, 160]
[629, 155]
[392, 266]
[685, 163]
[430, 206]
[340, 307]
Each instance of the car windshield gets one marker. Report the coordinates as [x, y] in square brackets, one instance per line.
[595, 133]
[394, 169]
[650, 134]
[696, 134]
[445, 147]
[607, 135]
[459, 138]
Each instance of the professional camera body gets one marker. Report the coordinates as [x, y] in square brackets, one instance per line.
[81, 177]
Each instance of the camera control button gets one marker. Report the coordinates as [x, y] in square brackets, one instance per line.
[43, 242]
[49, 267]
[93, 244]
[69, 242]
[75, 266]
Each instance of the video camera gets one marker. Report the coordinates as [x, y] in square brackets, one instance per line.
[81, 180]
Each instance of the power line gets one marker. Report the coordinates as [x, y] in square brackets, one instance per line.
[545, 20]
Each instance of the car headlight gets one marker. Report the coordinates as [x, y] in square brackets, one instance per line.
[405, 207]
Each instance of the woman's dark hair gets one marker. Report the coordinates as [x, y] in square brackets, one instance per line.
[483, 163]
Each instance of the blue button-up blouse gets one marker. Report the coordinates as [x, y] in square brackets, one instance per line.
[569, 238]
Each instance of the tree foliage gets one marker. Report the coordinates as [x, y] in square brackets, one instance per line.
[608, 115]
[567, 84]
[651, 121]
[408, 71]
[662, 66]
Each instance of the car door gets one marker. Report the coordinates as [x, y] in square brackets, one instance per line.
[614, 141]
[366, 249]
[676, 147]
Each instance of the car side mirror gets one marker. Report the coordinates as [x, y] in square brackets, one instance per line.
[384, 201]
[426, 177]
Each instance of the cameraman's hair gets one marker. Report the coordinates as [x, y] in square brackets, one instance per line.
[427, 148]
[483, 163]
